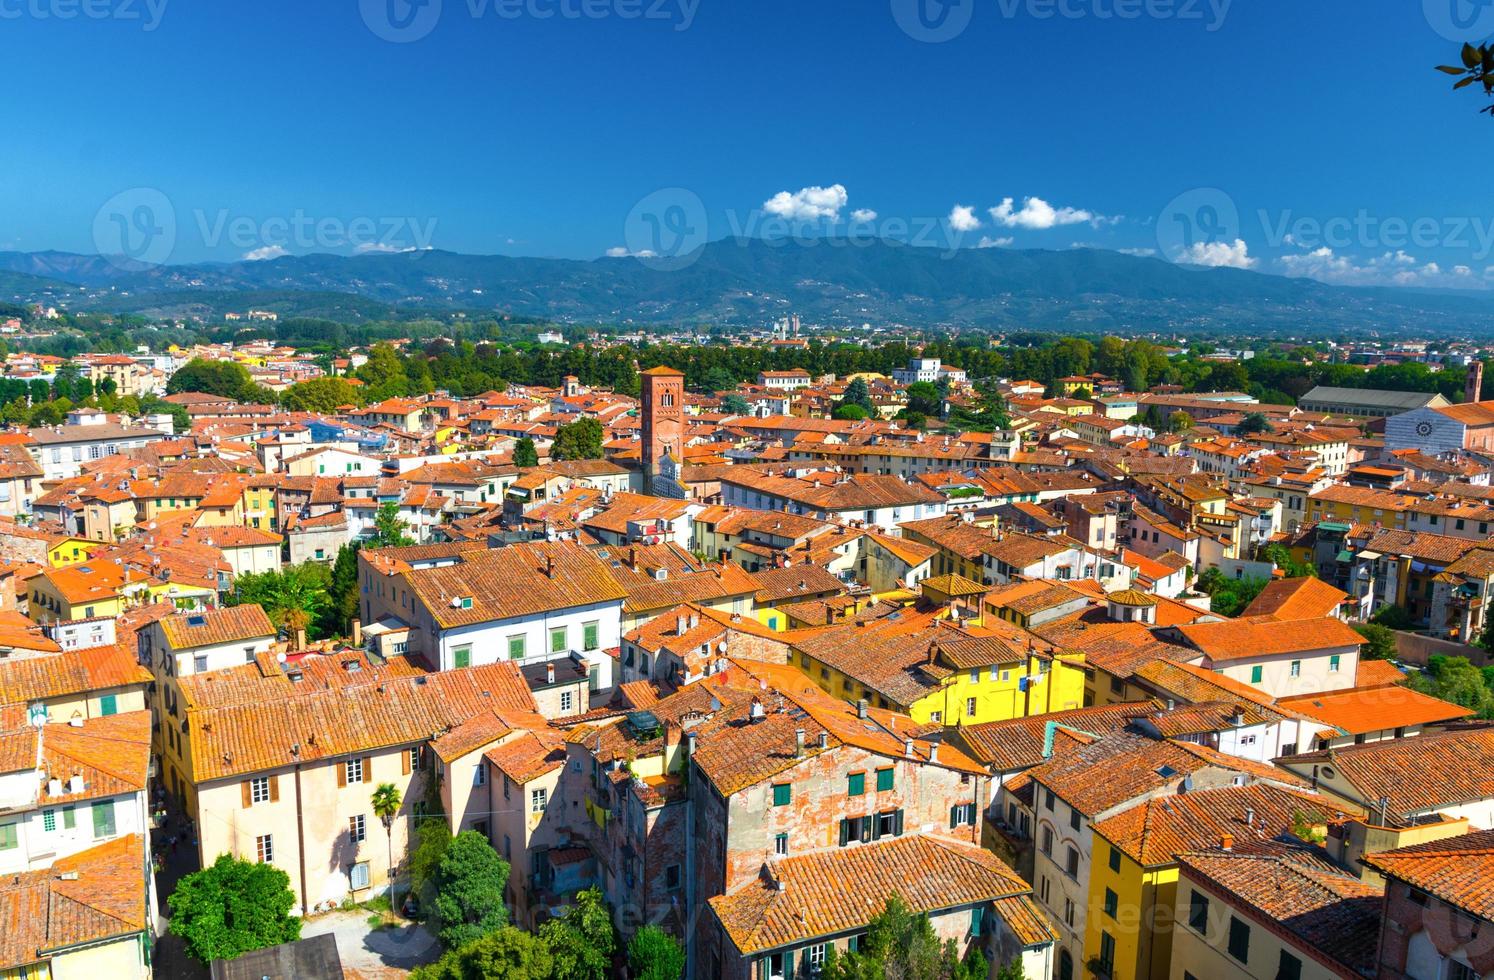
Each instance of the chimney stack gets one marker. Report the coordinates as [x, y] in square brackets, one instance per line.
[549, 673]
[824, 740]
[908, 747]
[861, 707]
[798, 743]
[1250, 816]
[1227, 842]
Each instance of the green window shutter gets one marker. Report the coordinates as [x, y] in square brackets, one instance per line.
[108, 704]
[103, 819]
[884, 780]
[783, 793]
[1115, 859]
[558, 639]
[69, 818]
[856, 784]
[9, 838]
[516, 648]
[462, 656]
[589, 636]
[1256, 674]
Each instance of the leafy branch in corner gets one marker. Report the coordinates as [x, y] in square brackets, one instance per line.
[1477, 68]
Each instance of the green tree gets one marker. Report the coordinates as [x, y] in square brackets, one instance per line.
[1179, 421]
[342, 594]
[1253, 424]
[719, 379]
[294, 598]
[432, 838]
[582, 940]
[582, 439]
[506, 952]
[1227, 376]
[857, 393]
[901, 943]
[924, 399]
[525, 454]
[1379, 641]
[735, 404]
[1477, 68]
[228, 379]
[849, 413]
[1280, 556]
[1229, 596]
[231, 907]
[384, 374]
[1455, 679]
[469, 890]
[654, 954]
[386, 802]
[323, 395]
[389, 528]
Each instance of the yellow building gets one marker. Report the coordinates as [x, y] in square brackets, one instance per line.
[70, 550]
[86, 590]
[942, 672]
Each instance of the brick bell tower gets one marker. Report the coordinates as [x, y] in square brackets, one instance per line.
[663, 396]
[1475, 382]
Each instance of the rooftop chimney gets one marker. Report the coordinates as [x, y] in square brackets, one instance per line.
[908, 747]
[1227, 842]
[1250, 816]
[861, 707]
[798, 742]
[690, 738]
[549, 673]
[824, 740]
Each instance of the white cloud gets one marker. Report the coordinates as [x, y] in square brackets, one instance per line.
[808, 203]
[863, 215]
[1037, 214]
[265, 252]
[1141, 252]
[962, 218]
[383, 248]
[986, 241]
[1218, 255]
[1397, 268]
[621, 252]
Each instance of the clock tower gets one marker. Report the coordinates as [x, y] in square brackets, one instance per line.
[663, 409]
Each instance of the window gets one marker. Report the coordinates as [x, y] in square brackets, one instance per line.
[962, 815]
[1074, 818]
[1296, 668]
[199, 663]
[353, 770]
[672, 877]
[357, 829]
[1107, 954]
[856, 784]
[568, 702]
[109, 704]
[783, 794]
[1043, 889]
[558, 639]
[1068, 912]
[1460, 971]
[1291, 968]
[538, 799]
[1071, 863]
[1198, 913]
[462, 656]
[480, 775]
[1333, 663]
[1256, 673]
[1050, 799]
[815, 957]
[590, 636]
[103, 819]
[69, 817]
[264, 849]
[1239, 940]
[1115, 859]
[516, 647]
[780, 844]
[1112, 903]
[49, 820]
[889, 824]
[259, 789]
[884, 780]
[1048, 841]
[975, 676]
[9, 838]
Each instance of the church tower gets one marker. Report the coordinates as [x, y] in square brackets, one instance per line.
[1475, 384]
[663, 398]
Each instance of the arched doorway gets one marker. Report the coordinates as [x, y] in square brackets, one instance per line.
[1065, 965]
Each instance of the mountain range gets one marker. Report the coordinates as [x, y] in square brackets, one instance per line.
[750, 281]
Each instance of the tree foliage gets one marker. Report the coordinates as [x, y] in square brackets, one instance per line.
[1477, 68]
[228, 379]
[296, 597]
[432, 838]
[1229, 596]
[1455, 679]
[232, 907]
[469, 890]
[582, 940]
[323, 395]
[1379, 641]
[654, 954]
[582, 439]
[525, 454]
[506, 951]
[901, 943]
[389, 528]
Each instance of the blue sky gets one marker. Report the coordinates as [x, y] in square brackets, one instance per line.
[1302, 138]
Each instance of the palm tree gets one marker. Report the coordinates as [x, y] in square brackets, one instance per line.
[386, 802]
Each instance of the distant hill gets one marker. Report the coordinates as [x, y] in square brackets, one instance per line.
[753, 280]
